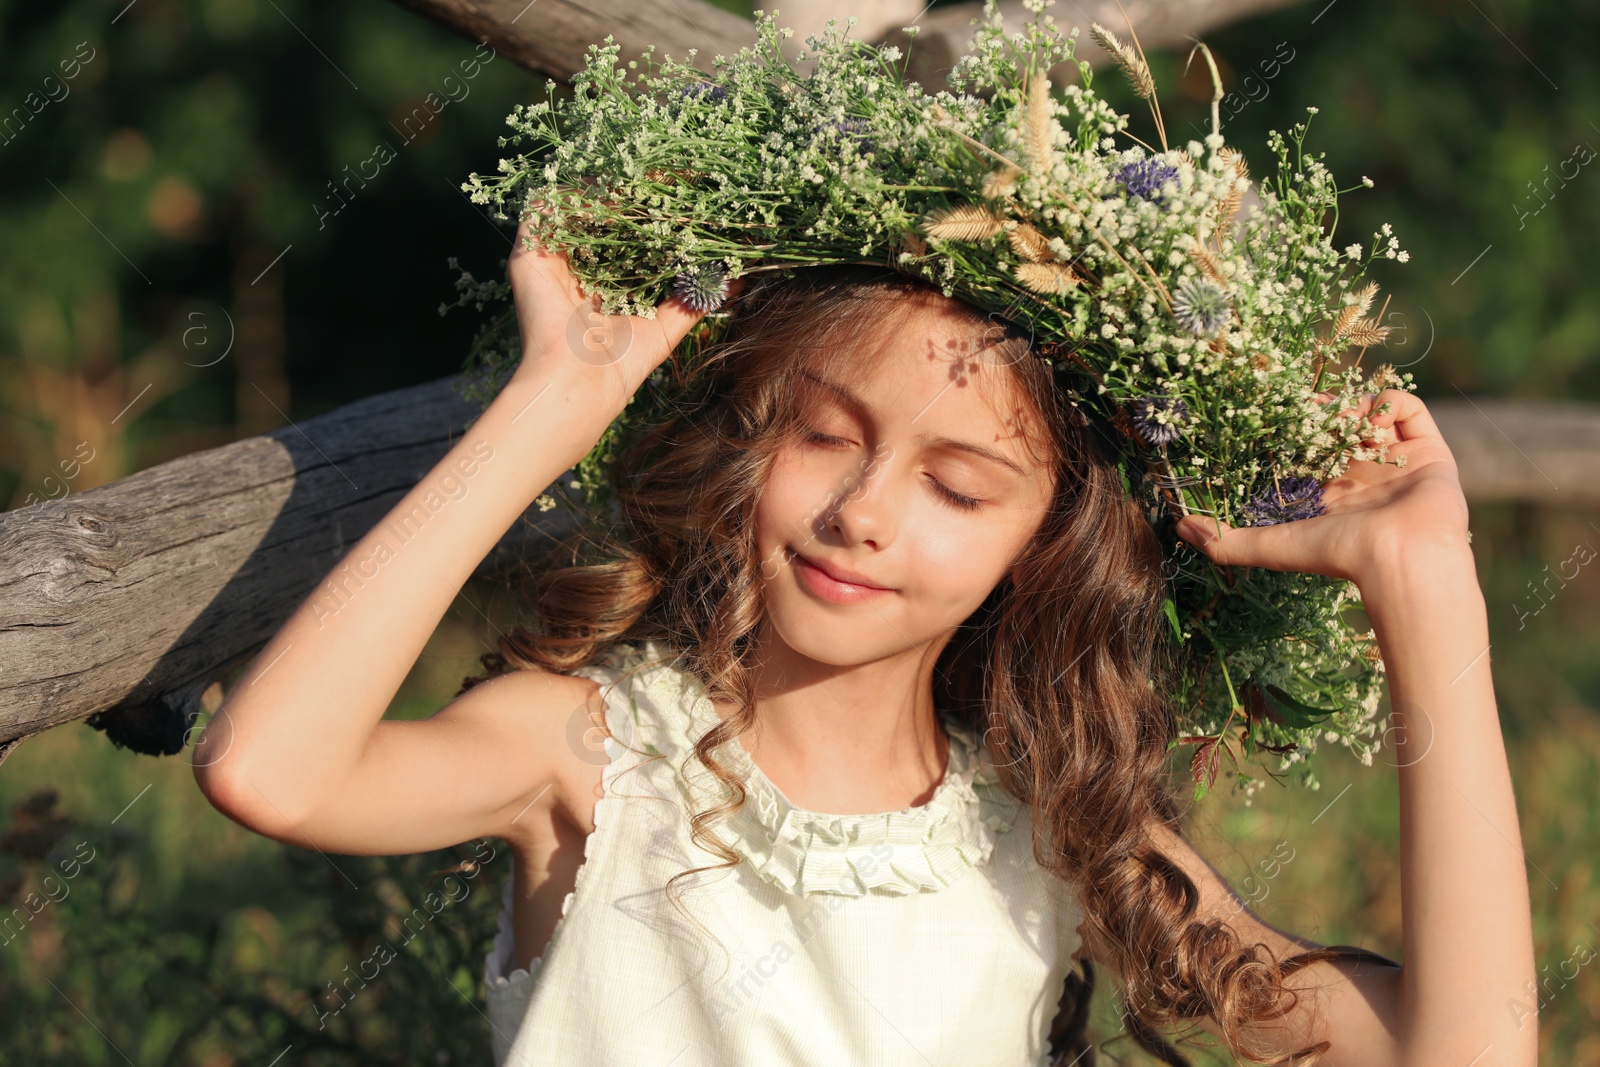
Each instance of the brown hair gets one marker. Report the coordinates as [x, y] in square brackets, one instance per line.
[1060, 670]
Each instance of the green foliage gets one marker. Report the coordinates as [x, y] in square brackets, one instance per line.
[362, 960]
[199, 142]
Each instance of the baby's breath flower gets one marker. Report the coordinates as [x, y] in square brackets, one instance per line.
[1140, 276]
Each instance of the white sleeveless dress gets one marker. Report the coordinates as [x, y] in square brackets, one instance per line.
[926, 936]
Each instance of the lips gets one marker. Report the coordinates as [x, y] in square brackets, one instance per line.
[835, 583]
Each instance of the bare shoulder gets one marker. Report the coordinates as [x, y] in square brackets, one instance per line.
[556, 722]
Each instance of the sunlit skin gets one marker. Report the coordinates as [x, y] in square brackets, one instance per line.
[877, 483]
[844, 715]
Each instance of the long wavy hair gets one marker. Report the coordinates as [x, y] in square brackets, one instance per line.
[1060, 670]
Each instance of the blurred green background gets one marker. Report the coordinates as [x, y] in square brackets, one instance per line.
[174, 195]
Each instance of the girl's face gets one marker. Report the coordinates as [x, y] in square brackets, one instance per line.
[918, 469]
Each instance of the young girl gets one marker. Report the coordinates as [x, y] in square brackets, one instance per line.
[853, 750]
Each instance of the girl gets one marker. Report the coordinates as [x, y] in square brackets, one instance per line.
[853, 751]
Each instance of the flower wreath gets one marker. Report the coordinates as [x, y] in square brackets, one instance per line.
[1197, 333]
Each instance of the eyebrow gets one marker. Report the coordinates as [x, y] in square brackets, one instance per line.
[947, 442]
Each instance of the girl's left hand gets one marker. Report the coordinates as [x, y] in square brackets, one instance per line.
[1377, 516]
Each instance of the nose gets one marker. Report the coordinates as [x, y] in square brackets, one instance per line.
[863, 509]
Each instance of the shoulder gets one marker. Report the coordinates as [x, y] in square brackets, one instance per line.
[543, 717]
[573, 716]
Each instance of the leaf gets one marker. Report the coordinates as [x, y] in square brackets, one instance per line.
[1172, 616]
[1364, 296]
[1234, 158]
[1343, 321]
[1039, 126]
[1132, 65]
[1001, 183]
[1368, 334]
[1207, 262]
[1206, 762]
[1285, 710]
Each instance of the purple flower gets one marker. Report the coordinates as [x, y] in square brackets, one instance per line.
[856, 129]
[1160, 419]
[1144, 178]
[1285, 500]
[702, 288]
[705, 90]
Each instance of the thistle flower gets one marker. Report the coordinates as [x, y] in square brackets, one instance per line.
[856, 129]
[702, 288]
[1285, 500]
[1143, 178]
[706, 91]
[1160, 419]
[1201, 305]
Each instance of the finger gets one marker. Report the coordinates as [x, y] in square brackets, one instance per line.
[1408, 415]
[676, 319]
[1282, 547]
[527, 242]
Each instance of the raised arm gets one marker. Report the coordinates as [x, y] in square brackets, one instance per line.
[298, 751]
[1461, 996]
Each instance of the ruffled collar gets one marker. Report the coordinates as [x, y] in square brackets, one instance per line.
[916, 849]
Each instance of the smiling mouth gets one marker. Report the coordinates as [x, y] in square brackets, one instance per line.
[829, 588]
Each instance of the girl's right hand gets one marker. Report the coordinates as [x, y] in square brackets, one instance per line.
[566, 338]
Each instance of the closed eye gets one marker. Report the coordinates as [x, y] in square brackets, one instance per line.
[824, 439]
[946, 493]
[955, 499]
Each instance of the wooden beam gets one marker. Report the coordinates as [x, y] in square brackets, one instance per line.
[553, 36]
[131, 598]
[1535, 450]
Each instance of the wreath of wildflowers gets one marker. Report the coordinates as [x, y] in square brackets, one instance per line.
[1194, 334]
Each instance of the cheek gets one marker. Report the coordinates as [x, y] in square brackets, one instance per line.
[961, 558]
[787, 502]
